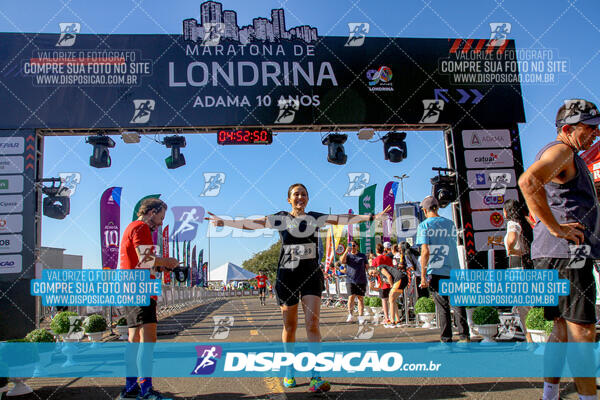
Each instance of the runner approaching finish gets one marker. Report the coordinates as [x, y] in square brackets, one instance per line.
[261, 281]
[299, 277]
[141, 320]
[357, 277]
[560, 193]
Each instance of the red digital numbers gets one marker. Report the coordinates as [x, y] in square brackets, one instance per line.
[244, 136]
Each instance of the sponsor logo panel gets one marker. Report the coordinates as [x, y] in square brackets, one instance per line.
[492, 138]
[11, 243]
[482, 199]
[11, 264]
[484, 241]
[494, 158]
[11, 204]
[12, 145]
[11, 164]
[486, 220]
[483, 178]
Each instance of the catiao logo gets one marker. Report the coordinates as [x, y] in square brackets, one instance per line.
[68, 33]
[207, 359]
[357, 33]
[142, 110]
[487, 159]
[380, 79]
[186, 220]
[358, 182]
[499, 34]
[212, 183]
[287, 110]
[432, 111]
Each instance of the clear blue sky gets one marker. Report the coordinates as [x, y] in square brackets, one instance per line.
[257, 177]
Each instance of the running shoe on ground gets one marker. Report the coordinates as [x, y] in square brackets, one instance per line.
[289, 382]
[152, 395]
[350, 318]
[319, 385]
[132, 394]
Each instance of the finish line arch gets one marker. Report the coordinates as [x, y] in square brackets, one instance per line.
[172, 83]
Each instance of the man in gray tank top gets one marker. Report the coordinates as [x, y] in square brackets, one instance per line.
[560, 193]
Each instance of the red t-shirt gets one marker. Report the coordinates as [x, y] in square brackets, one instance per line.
[262, 280]
[383, 260]
[136, 234]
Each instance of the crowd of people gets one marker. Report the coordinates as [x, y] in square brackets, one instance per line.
[561, 199]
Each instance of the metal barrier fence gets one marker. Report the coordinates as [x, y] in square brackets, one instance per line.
[173, 299]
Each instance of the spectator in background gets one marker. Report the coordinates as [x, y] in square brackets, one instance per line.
[437, 237]
[383, 267]
[411, 257]
[387, 249]
[357, 277]
[516, 242]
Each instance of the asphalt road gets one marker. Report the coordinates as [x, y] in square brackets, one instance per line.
[256, 323]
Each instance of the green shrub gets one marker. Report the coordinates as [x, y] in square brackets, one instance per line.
[122, 321]
[94, 323]
[40, 336]
[424, 305]
[60, 323]
[485, 315]
[536, 321]
[375, 302]
[367, 301]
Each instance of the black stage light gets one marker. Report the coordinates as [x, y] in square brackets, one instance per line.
[55, 206]
[176, 159]
[101, 157]
[444, 188]
[394, 146]
[335, 148]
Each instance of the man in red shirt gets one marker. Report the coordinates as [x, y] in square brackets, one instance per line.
[261, 280]
[138, 251]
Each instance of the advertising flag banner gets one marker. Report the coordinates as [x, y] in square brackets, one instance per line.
[205, 274]
[366, 205]
[110, 221]
[350, 228]
[389, 198]
[165, 247]
[330, 255]
[338, 231]
[193, 268]
[199, 276]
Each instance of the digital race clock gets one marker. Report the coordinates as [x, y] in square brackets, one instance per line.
[245, 136]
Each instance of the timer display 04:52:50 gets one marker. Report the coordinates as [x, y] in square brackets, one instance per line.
[245, 136]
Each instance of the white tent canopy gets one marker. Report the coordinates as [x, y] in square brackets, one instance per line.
[230, 272]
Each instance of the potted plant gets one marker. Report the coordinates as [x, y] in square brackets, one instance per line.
[40, 336]
[122, 328]
[486, 320]
[470, 310]
[95, 326]
[425, 310]
[537, 326]
[61, 324]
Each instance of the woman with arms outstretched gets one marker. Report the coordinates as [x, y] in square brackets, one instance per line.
[299, 277]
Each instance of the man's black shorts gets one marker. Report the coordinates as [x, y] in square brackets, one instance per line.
[262, 290]
[358, 289]
[140, 315]
[580, 304]
[291, 287]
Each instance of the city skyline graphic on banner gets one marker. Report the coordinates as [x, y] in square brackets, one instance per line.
[213, 19]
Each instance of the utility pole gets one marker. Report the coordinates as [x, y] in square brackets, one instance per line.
[402, 178]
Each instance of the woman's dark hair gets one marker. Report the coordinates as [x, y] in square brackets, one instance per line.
[517, 212]
[293, 186]
[379, 248]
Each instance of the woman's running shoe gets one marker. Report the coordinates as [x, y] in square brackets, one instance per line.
[289, 382]
[319, 385]
[152, 395]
